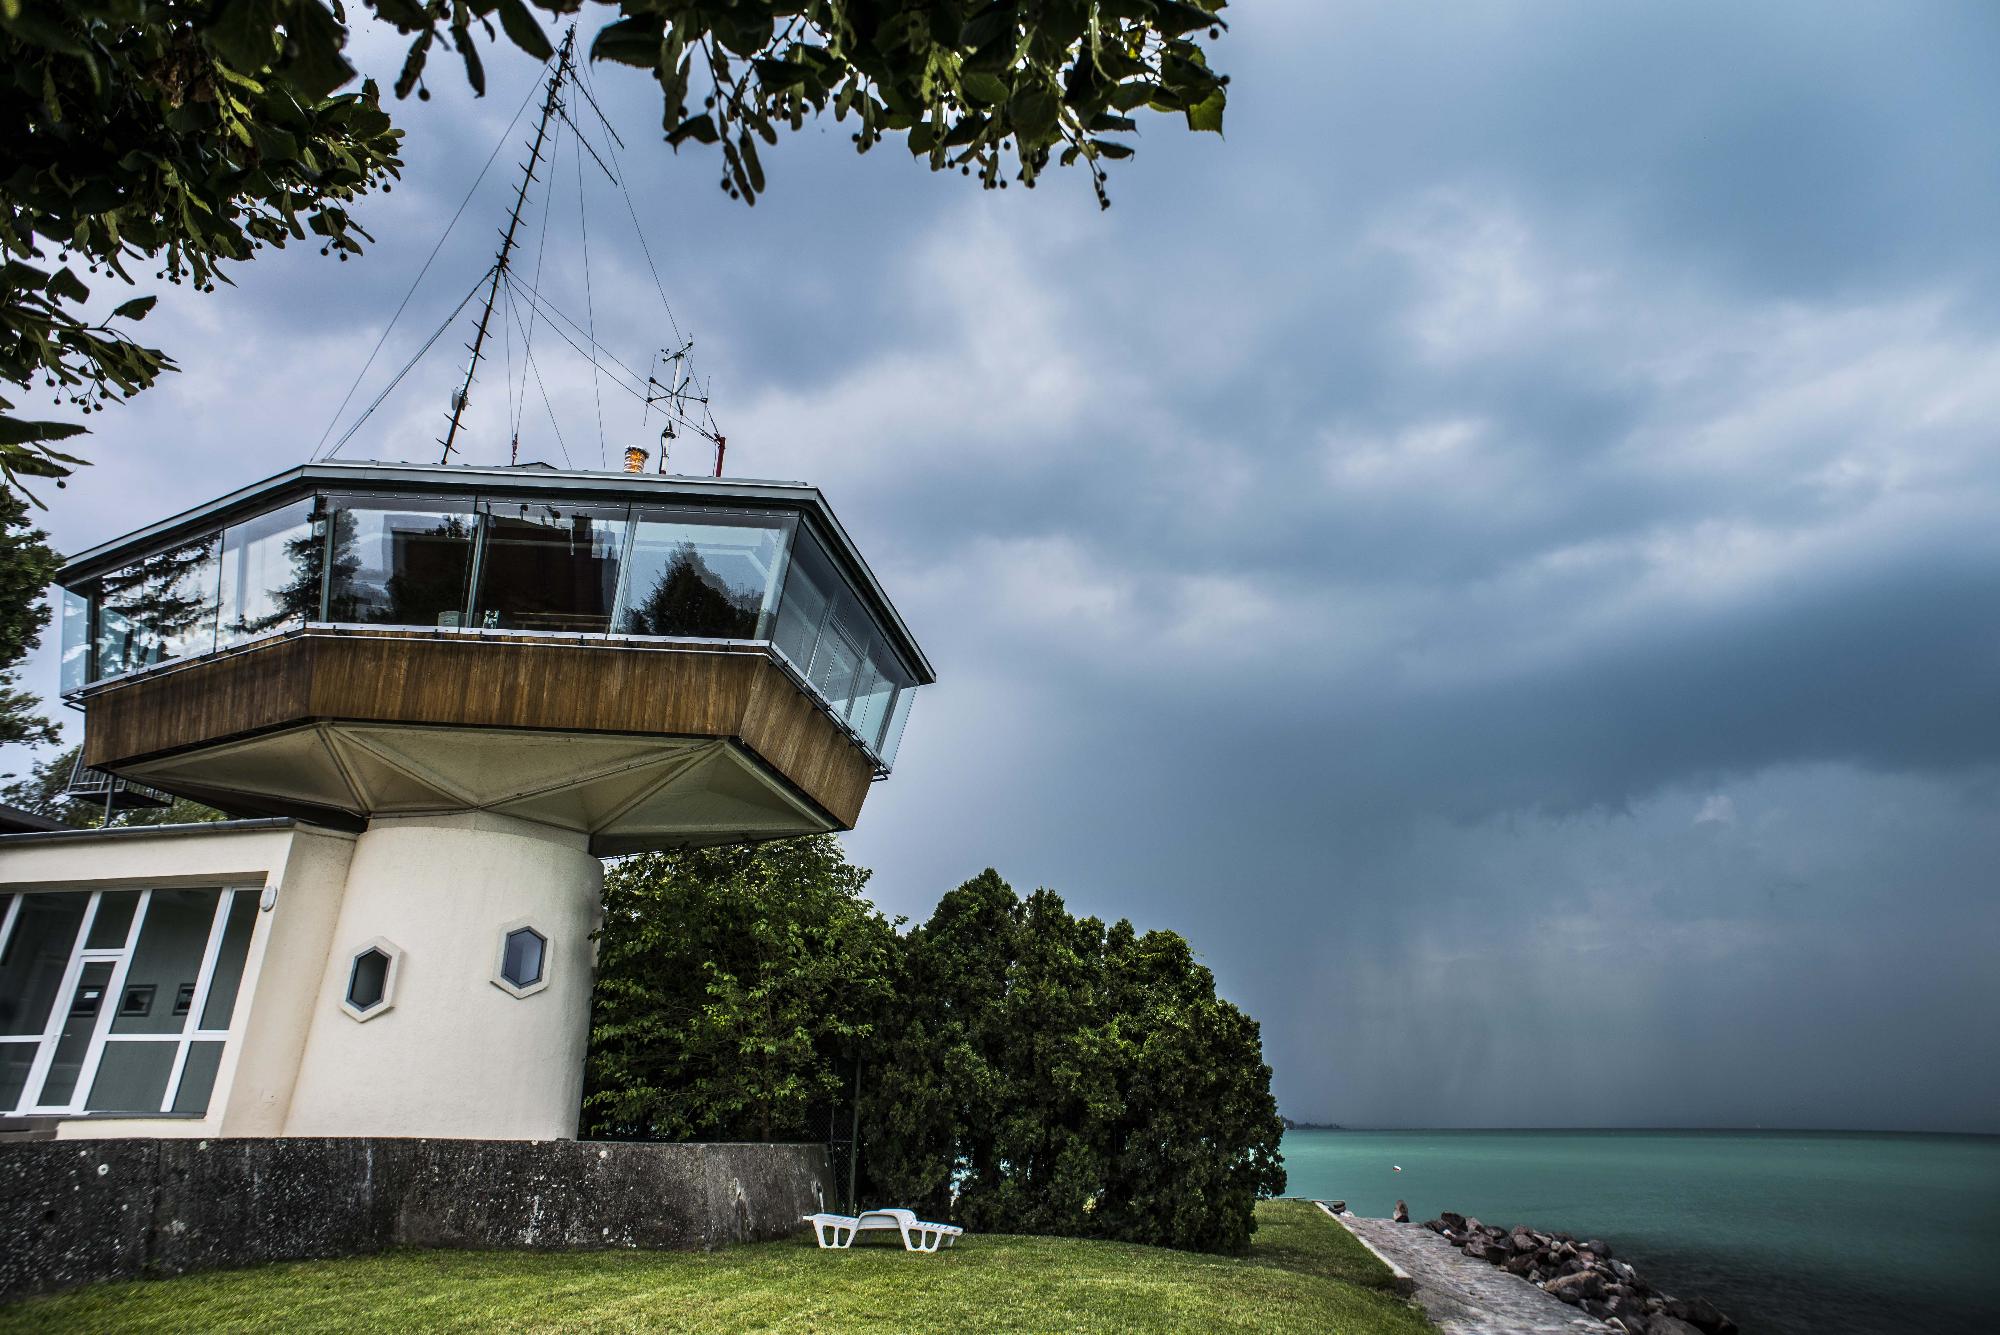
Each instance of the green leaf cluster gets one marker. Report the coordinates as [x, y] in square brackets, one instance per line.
[734, 986]
[163, 135]
[1022, 1069]
[992, 88]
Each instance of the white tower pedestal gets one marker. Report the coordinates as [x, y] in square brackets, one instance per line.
[450, 1050]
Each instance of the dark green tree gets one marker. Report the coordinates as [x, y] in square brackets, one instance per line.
[734, 987]
[26, 567]
[1041, 1073]
[178, 135]
[1194, 1138]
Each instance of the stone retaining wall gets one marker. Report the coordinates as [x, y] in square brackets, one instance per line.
[75, 1212]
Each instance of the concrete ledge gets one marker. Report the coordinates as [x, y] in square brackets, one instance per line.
[74, 1212]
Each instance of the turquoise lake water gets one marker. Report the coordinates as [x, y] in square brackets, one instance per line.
[1791, 1233]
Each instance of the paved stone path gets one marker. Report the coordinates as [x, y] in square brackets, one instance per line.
[1464, 1296]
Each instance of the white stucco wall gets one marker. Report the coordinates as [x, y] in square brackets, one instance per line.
[454, 1055]
[274, 1007]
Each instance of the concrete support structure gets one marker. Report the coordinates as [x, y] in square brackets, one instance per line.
[443, 891]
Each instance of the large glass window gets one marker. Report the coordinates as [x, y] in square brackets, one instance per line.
[827, 633]
[503, 563]
[711, 576]
[550, 567]
[399, 561]
[273, 572]
[132, 1018]
[166, 968]
[159, 608]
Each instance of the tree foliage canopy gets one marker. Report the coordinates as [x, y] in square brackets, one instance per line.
[1022, 1069]
[178, 135]
[26, 566]
[1044, 1074]
[734, 986]
[166, 136]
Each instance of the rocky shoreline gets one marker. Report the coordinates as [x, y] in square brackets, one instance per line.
[1582, 1273]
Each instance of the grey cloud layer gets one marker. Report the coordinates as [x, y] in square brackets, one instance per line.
[1513, 525]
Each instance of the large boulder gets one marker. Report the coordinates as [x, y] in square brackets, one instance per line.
[1669, 1325]
[1455, 1222]
[1574, 1288]
[1705, 1316]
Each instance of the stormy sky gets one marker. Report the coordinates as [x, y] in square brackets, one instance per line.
[1502, 551]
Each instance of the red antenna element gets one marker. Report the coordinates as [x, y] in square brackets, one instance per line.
[721, 444]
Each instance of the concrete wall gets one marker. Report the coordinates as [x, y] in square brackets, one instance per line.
[76, 1213]
[454, 1054]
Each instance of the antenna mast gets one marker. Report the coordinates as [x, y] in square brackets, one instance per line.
[549, 107]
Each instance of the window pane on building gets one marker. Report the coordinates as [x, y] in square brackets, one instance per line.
[167, 959]
[85, 1005]
[834, 662]
[272, 571]
[113, 922]
[809, 585]
[160, 608]
[699, 576]
[75, 641]
[550, 567]
[34, 958]
[198, 1077]
[132, 1077]
[16, 1060]
[222, 988]
[892, 730]
[398, 562]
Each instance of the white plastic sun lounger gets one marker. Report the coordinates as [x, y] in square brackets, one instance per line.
[838, 1230]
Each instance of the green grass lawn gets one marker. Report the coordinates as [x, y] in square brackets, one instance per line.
[1303, 1273]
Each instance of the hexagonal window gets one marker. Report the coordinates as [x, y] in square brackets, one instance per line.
[371, 980]
[523, 967]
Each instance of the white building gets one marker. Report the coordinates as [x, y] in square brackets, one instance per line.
[438, 696]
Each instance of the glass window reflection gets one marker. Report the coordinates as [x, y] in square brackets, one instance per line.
[708, 576]
[75, 641]
[549, 567]
[398, 562]
[273, 569]
[159, 608]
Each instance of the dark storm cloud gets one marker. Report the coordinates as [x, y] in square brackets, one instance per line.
[1500, 552]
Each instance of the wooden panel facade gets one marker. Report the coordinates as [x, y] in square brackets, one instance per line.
[485, 682]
